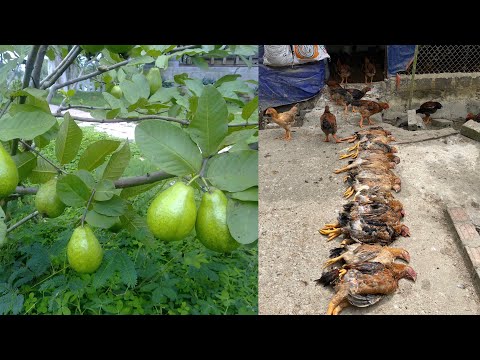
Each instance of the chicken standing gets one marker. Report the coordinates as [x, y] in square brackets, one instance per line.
[369, 69]
[428, 108]
[367, 108]
[284, 120]
[328, 123]
[344, 71]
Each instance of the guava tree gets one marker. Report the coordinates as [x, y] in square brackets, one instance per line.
[200, 139]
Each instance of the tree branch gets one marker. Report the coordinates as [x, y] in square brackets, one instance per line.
[88, 204]
[142, 180]
[60, 170]
[37, 69]
[23, 221]
[7, 105]
[32, 57]
[100, 70]
[119, 120]
[61, 68]
[122, 183]
[140, 118]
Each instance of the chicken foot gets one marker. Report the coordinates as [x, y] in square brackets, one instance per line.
[332, 233]
[349, 192]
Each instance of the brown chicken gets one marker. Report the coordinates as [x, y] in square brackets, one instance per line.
[385, 213]
[328, 123]
[369, 69]
[365, 252]
[367, 108]
[364, 284]
[372, 177]
[365, 164]
[369, 133]
[344, 71]
[285, 119]
[428, 108]
[470, 116]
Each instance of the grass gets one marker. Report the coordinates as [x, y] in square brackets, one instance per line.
[82, 98]
[181, 277]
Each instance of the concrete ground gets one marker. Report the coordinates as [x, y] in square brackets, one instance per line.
[118, 130]
[299, 194]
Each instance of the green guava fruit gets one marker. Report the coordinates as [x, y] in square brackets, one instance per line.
[47, 202]
[154, 80]
[116, 91]
[84, 251]
[8, 173]
[172, 214]
[211, 226]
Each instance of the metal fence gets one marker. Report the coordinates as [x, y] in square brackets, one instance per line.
[434, 59]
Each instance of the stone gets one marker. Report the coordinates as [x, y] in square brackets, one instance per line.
[442, 123]
[471, 129]
[415, 121]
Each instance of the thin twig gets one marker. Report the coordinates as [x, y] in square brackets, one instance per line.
[23, 221]
[61, 68]
[181, 48]
[145, 117]
[60, 170]
[118, 120]
[202, 172]
[426, 139]
[99, 71]
[67, 107]
[7, 105]
[88, 204]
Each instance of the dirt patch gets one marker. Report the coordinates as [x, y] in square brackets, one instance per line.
[299, 194]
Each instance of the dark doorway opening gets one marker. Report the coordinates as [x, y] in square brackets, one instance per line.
[354, 56]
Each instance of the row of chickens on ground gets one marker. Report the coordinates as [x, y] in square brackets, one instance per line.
[363, 269]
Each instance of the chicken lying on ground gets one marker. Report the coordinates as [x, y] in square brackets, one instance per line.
[473, 117]
[371, 177]
[374, 130]
[390, 214]
[328, 124]
[364, 284]
[284, 120]
[358, 253]
[428, 108]
[366, 163]
[368, 231]
[377, 144]
[367, 108]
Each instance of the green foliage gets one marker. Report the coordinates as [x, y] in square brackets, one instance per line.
[242, 220]
[235, 171]
[168, 146]
[138, 275]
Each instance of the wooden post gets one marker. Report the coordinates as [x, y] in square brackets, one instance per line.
[412, 81]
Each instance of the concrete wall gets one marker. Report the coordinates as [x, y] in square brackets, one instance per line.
[459, 93]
